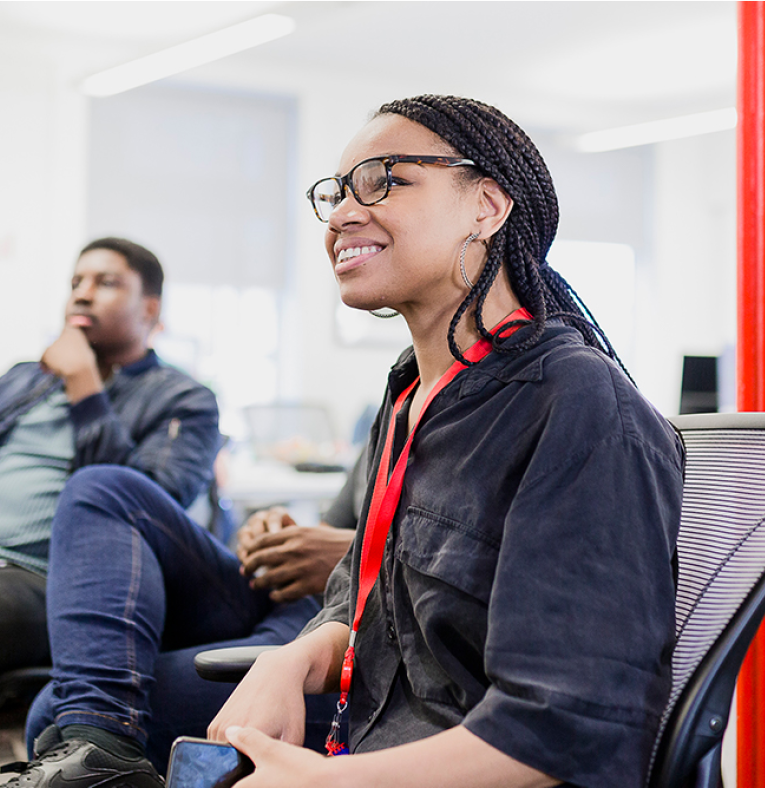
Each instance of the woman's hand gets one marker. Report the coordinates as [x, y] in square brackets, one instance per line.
[271, 695]
[451, 759]
[269, 698]
[280, 765]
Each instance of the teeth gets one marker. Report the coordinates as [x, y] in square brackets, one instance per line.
[349, 254]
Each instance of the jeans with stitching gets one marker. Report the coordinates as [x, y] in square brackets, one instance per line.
[135, 589]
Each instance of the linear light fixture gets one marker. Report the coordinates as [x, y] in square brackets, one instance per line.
[190, 54]
[657, 131]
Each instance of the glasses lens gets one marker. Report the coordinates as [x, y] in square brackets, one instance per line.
[326, 195]
[370, 182]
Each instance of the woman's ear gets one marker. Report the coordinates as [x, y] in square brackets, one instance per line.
[494, 207]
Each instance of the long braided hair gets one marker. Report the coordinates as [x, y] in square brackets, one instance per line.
[503, 151]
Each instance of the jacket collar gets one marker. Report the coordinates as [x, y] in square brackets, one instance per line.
[151, 359]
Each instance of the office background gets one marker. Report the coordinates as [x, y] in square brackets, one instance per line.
[209, 170]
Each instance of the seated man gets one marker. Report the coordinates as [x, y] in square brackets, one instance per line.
[136, 590]
[99, 395]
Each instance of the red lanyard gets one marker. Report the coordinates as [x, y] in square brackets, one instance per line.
[385, 497]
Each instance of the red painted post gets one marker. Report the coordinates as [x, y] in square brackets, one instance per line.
[751, 337]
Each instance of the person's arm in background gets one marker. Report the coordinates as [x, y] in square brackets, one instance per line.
[291, 559]
[71, 358]
[295, 560]
[160, 422]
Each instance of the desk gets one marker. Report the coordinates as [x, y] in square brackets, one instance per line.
[254, 485]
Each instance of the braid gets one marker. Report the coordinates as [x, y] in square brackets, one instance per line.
[478, 293]
[502, 151]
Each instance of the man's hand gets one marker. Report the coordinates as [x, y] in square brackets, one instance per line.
[72, 359]
[264, 521]
[293, 560]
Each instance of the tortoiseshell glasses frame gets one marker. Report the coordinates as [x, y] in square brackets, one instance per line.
[370, 181]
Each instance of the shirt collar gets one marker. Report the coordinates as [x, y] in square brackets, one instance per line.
[526, 367]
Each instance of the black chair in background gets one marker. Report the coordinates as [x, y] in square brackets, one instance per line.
[18, 687]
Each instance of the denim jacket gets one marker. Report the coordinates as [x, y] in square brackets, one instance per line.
[150, 417]
[527, 587]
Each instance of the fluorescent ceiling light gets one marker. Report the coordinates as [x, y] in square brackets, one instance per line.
[657, 131]
[192, 53]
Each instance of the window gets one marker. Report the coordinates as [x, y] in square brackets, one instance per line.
[204, 179]
[603, 275]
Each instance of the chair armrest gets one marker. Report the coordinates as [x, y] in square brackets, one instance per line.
[22, 683]
[228, 664]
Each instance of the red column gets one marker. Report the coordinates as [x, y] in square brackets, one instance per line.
[751, 336]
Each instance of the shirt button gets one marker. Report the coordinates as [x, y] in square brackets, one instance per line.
[391, 632]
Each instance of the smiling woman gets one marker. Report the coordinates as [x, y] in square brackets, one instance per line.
[506, 614]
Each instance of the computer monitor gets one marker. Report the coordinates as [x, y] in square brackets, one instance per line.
[698, 390]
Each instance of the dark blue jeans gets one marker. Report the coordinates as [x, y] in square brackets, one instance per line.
[135, 589]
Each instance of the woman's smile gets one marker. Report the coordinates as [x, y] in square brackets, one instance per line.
[351, 254]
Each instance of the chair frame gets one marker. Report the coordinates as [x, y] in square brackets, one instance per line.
[689, 751]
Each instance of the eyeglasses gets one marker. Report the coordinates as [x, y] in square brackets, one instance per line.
[370, 181]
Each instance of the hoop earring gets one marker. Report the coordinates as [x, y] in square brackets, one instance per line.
[467, 243]
[384, 315]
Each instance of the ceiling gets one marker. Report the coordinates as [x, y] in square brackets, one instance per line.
[566, 66]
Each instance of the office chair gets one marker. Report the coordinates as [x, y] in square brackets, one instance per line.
[18, 687]
[721, 591]
[720, 597]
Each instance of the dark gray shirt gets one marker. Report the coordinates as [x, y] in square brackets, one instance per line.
[527, 589]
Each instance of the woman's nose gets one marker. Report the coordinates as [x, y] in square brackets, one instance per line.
[348, 211]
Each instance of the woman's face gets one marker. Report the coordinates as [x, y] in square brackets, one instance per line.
[404, 251]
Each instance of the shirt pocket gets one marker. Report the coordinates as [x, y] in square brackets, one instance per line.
[446, 573]
[459, 555]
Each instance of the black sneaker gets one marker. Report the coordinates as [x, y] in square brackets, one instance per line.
[80, 764]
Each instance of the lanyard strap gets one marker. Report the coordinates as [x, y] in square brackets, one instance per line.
[387, 493]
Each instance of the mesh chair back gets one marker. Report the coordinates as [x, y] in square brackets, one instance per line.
[721, 550]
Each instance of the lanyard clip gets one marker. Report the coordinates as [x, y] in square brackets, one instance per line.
[346, 673]
[333, 745]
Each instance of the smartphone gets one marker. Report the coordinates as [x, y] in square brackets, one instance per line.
[199, 763]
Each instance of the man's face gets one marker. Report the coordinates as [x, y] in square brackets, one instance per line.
[108, 304]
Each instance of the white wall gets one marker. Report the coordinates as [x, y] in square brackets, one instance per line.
[687, 303]
[43, 137]
[676, 203]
